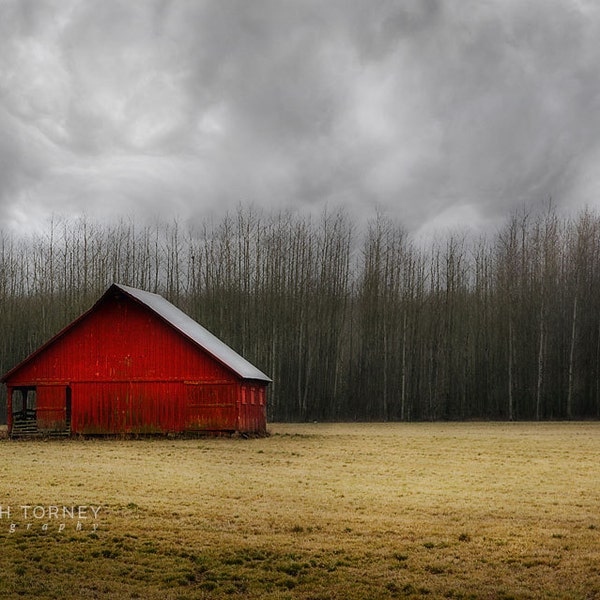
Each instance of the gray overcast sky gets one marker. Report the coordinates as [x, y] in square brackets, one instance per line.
[438, 113]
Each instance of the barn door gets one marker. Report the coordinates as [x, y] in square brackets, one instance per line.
[211, 407]
[53, 411]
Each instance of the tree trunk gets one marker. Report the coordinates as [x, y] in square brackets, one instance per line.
[540, 365]
[403, 380]
[571, 360]
[510, 372]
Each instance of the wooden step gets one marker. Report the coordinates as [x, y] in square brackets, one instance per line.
[30, 429]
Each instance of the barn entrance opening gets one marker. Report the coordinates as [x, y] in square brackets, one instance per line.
[42, 409]
[24, 404]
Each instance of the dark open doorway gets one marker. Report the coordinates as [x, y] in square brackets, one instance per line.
[44, 410]
[24, 403]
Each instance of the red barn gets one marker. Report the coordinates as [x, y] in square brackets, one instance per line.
[134, 363]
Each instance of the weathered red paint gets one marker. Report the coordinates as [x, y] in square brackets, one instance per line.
[51, 407]
[121, 368]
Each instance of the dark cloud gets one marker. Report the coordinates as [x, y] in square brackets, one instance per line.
[436, 112]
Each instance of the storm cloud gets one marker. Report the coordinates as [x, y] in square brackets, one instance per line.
[435, 112]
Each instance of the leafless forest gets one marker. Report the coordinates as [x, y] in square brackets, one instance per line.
[351, 323]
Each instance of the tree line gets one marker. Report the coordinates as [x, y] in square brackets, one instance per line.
[351, 323]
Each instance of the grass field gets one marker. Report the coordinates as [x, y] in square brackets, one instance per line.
[314, 511]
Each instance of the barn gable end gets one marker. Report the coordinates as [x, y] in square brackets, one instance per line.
[135, 363]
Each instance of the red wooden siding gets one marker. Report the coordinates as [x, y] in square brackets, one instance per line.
[124, 369]
[51, 407]
[135, 345]
[211, 407]
[107, 407]
[253, 408]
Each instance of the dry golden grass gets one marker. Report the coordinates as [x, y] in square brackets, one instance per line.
[314, 511]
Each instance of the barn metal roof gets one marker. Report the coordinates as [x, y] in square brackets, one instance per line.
[195, 332]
